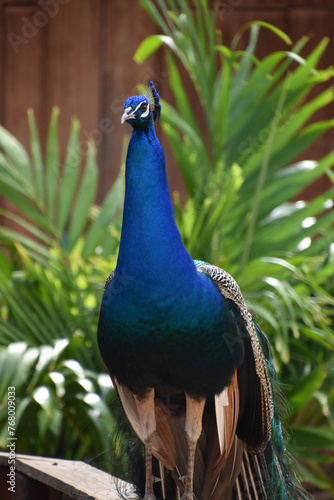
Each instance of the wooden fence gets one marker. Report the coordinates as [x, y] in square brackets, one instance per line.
[77, 54]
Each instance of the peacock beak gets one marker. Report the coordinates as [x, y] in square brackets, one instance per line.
[129, 114]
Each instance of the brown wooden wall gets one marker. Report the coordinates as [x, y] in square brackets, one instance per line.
[77, 54]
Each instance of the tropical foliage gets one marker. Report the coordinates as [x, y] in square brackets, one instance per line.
[61, 408]
[244, 211]
[54, 262]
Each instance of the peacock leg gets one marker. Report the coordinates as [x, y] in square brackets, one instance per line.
[146, 413]
[193, 427]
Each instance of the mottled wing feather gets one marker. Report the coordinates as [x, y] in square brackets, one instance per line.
[109, 279]
[231, 291]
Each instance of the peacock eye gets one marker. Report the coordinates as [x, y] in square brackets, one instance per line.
[143, 108]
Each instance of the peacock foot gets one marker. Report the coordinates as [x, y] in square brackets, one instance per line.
[187, 496]
[149, 496]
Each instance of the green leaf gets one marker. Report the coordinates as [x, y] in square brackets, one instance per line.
[52, 163]
[308, 437]
[31, 228]
[70, 175]
[10, 358]
[306, 386]
[180, 152]
[46, 399]
[37, 156]
[241, 74]
[110, 206]
[84, 199]
[18, 158]
[10, 178]
[270, 27]
[150, 45]
[179, 92]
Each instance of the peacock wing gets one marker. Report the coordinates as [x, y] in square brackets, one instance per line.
[256, 406]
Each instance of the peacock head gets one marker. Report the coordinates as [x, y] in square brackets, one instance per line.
[139, 110]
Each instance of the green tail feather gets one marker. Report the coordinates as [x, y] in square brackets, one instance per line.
[280, 478]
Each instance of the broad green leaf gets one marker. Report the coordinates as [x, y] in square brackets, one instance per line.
[239, 77]
[10, 179]
[222, 105]
[70, 175]
[180, 151]
[84, 199]
[289, 182]
[110, 206]
[37, 156]
[308, 437]
[150, 45]
[28, 243]
[319, 337]
[180, 93]
[31, 228]
[175, 120]
[10, 358]
[312, 456]
[44, 397]
[5, 265]
[306, 386]
[18, 158]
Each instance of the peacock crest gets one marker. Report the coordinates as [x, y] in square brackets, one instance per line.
[153, 98]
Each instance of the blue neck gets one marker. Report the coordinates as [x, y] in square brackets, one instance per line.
[158, 303]
[150, 241]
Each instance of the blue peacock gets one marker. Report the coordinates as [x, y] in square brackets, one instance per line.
[192, 369]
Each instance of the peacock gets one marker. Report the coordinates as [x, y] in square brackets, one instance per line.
[193, 370]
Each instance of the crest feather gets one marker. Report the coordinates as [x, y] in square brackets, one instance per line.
[153, 98]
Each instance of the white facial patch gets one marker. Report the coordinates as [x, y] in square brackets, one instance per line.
[146, 112]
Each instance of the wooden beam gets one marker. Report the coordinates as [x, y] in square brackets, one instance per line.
[75, 479]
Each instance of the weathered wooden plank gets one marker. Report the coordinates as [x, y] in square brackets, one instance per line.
[27, 487]
[72, 67]
[22, 68]
[4, 493]
[75, 479]
[22, 44]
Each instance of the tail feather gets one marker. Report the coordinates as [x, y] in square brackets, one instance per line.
[250, 479]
